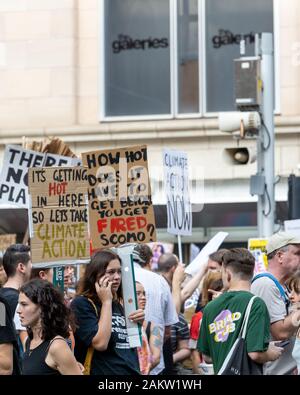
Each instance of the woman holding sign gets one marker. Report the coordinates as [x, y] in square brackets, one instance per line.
[43, 312]
[101, 340]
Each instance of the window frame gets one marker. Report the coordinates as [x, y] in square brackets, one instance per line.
[174, 114]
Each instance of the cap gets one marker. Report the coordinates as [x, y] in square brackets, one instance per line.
[281, 239]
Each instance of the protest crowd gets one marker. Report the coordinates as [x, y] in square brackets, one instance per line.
[47, 333]
[136, 308]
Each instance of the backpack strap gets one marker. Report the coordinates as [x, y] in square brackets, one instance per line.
[277, 283]
[246, 318]
[90, 352]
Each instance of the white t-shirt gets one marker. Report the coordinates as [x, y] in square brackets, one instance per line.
[160, 308]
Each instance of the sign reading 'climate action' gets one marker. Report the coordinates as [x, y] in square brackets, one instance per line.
[58, 215]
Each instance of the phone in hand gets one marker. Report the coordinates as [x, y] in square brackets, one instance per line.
[283, 343]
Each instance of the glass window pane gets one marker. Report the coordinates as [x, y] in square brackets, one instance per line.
[188, 74]
[226, 23]
[137, 57]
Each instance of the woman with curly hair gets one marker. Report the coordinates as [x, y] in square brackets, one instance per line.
[43, 312]
[101, 338]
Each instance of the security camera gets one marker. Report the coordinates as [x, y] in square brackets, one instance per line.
[243, 122]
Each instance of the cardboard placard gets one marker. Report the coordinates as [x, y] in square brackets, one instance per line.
[179, 208]
[119, 193]
[6, 241]
[14, 174]
[58, 216]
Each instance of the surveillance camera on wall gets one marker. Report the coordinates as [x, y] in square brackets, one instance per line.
[242, 122]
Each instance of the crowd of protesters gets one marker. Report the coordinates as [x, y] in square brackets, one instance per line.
[45, 332]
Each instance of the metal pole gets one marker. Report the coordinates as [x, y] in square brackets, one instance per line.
[259, 158]
[259, 197]
[179, 248]
[267, 75]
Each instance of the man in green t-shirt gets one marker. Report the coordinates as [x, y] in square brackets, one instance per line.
[223, 317]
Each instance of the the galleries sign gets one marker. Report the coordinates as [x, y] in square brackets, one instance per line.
[226, 37]
[125, 42]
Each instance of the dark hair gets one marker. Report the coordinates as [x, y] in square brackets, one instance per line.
[35, 272]
[15, 254]
[142, 254]
[93, 271]
[240, 261]
[55, 316]
[217, 256]
[166, 262]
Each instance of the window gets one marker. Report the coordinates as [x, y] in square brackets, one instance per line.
[174, 58]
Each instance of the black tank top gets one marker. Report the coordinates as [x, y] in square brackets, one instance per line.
[34, 360]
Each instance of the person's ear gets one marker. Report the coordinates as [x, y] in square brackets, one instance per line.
[228, 275]
[280, 256]
[42, 275]
[21, 267]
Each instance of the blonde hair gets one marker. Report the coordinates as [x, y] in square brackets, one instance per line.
[212, 280]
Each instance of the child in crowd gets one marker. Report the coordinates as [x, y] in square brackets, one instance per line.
[294, 286]
[149, 353]
[212, 285]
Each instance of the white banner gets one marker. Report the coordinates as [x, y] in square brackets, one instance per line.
[211, 246]
[14, 174]
[176, 178]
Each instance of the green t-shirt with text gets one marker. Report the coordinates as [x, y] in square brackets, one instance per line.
[222, 321]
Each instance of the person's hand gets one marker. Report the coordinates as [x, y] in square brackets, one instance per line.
[103, 289]
[274, 351]
[179, 274]
[137, 316]
[214, 293]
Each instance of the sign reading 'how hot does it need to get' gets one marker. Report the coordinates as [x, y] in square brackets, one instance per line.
[58, 216]
[119, 193]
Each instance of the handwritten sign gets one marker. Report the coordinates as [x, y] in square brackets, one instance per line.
[14, 175]
[120, 204]
[179, 207]
[58, 216]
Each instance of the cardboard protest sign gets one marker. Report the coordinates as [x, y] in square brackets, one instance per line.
[14, 175]
[120, 204]
[58, 216]
[179, 207]
[6, 241]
